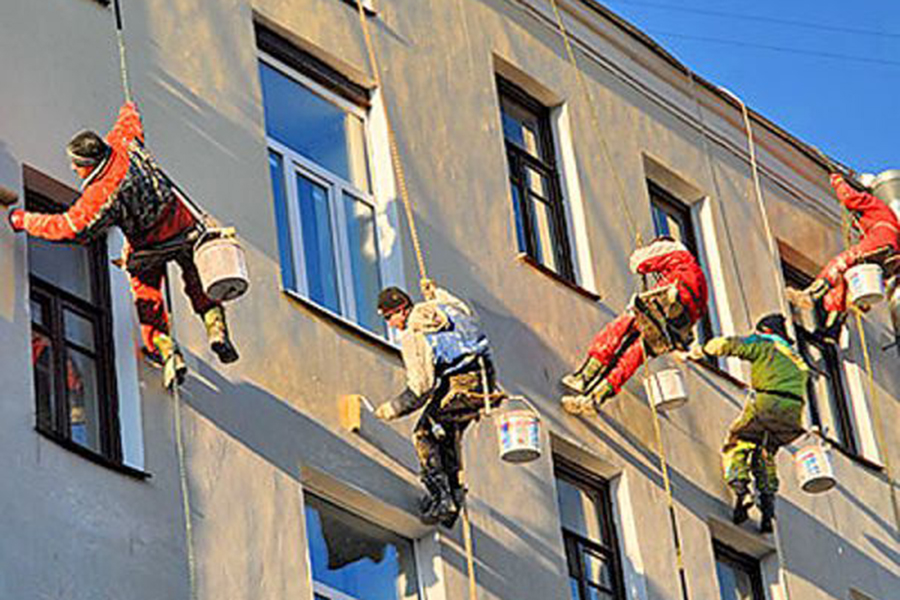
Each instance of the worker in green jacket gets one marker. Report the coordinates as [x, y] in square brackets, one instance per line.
[771, 418]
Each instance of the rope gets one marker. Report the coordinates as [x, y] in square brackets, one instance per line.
[179, 432]
[876, 414]
[754, 167]
[595, 123]
[395, 154]
[667, 485]
[715, 182]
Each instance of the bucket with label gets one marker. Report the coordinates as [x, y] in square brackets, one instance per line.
[666, 389]
[815, 473]
[518, 431]
[221, 263]
[865, 285]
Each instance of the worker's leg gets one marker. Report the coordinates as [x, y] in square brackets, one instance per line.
[146, 288]
[736, 458]
[606, 343]
[212, 312]
[630, 361]
[430, 438]
[765, 476]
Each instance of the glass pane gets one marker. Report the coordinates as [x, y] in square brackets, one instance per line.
[282, 221]
[545, 234]
[84, 400]
[42, 361]
[363, 241]
[579, 512]
[734, 584]
[520, 219]
[314, 127]
[521, 127]
[596, 594]
[573, 589]
[78, 329]
[67, 267]
[38, 314]
[318, 243]
[823, 393]
[537, 183]
[356, 557]
[596, 571]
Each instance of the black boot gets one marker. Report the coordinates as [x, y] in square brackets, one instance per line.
[582, 380]
[741, 509]
[767, 508]
[831, 330]
[439, 505]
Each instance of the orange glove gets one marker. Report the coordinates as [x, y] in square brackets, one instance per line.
[17, 220]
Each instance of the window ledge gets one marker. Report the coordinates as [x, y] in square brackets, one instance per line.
[92, 456]
[527, 260]
[344, 323]
[719, 372]
[861, 460]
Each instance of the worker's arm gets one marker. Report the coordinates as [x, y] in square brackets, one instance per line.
[128, 127]
[743, 348]
[419, 362]
[852, 198]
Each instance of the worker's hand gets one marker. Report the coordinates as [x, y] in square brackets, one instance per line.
[696, 352]
[386, 412]
[17, 219]
[429, 289]
[714, 346]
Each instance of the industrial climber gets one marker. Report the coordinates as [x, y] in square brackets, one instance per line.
[771, 418]
[122, 186]
[448, 365]
[880, 231]
[657, 321]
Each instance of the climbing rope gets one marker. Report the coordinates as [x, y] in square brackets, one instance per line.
[595, 123]
[396, 163]
[179, 434]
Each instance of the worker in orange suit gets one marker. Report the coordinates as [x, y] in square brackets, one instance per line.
[123, 186]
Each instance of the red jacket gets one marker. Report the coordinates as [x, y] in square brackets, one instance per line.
[876, 221]
[672, 262]
[127, 190]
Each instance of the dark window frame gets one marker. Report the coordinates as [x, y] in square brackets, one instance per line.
[681, 211]
[517, 160]
[56, 425]
[744, 563]
[574, 542]
[846, 438]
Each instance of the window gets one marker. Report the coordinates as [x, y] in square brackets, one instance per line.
[738, 574]
[829, 407]
[541, 231]
[585, 509]
[353, 559]
[71, 342]
[317, 132]
[673, 218]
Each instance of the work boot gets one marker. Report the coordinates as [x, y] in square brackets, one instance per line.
[581, 380]
[173, 365]
[766, 503]
[588, 403]
[217, 333]
[438, 505]
[831, 330]
[741, 510]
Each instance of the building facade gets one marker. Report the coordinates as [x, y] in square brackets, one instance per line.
[528, 194]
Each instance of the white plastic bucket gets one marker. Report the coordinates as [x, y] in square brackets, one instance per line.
[865, 285]
[222, 267]
[814, 470]
[519, 435]
[666, 389]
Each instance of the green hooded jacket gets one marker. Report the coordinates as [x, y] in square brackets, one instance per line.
[775, 365]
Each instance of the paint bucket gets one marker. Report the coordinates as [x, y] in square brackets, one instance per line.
[666, 389]
[865, 285]
[886, 185]
[518, 432]
[814, 471]
[222, 265]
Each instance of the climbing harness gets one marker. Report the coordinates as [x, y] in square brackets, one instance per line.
[178, 426]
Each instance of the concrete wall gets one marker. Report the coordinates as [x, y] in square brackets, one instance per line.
[259, 431]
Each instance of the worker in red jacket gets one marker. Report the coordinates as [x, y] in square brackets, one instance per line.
[880, 232]
[617, 350]
[122, 186]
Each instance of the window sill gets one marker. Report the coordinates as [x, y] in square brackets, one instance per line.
[344, 323]
[92, 456]
[527, 260]
[853, 456]
[719, 372]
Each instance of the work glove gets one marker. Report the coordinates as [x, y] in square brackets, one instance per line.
[429, 289]
[386, 411]
[843, 190]
[696, 352]
[714, 346]
[16, 219]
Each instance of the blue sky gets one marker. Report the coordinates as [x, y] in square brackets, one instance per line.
[827, 71]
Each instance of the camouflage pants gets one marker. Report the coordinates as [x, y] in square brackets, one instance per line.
[767, 423]
[453, 406]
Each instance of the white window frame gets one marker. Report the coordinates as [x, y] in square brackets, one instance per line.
[294, 163]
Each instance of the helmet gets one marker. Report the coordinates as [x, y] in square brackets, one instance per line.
[87, 149]
[392, 299]
[774, 323]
